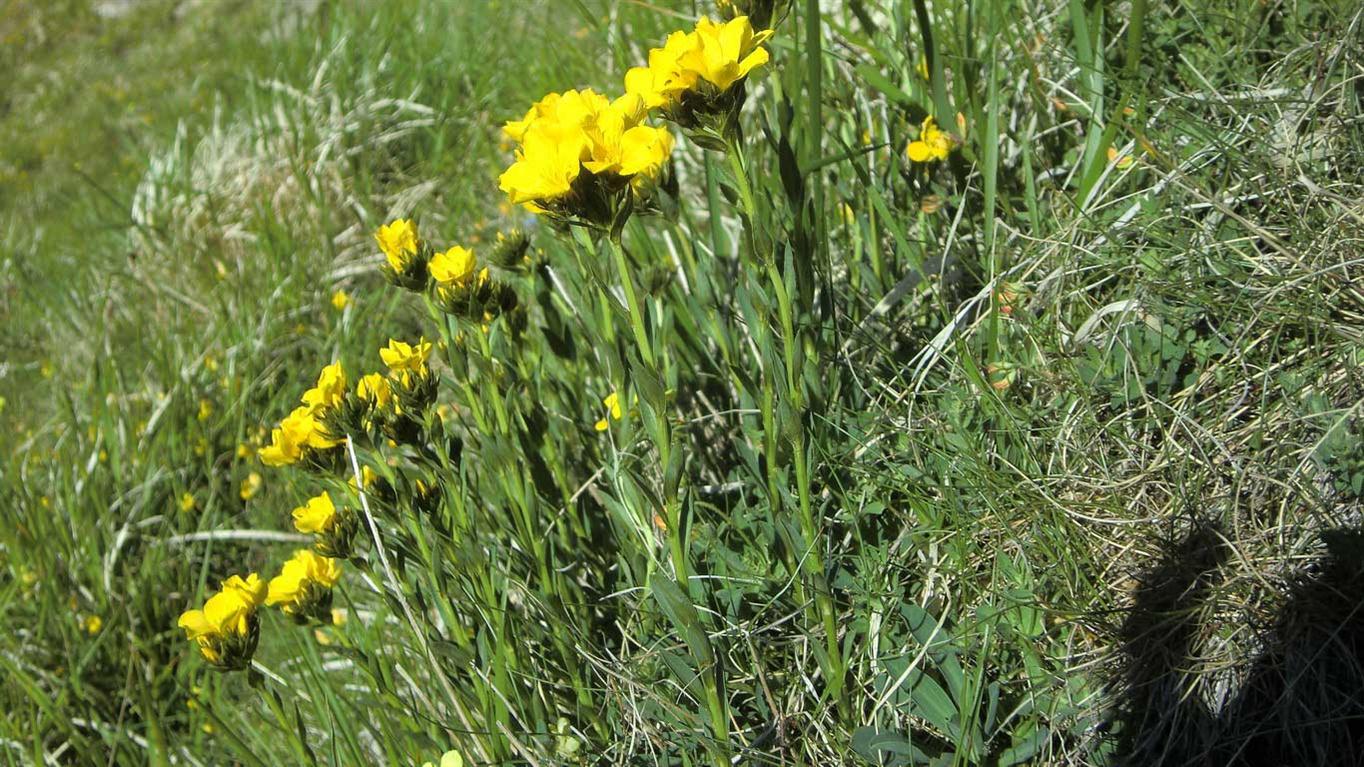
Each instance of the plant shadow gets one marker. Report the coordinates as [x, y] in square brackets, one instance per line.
[1299, 702]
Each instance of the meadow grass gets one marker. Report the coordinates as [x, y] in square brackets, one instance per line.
[1045, 453]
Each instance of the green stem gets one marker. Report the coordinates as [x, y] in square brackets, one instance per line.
[632, 301]
[795, 395]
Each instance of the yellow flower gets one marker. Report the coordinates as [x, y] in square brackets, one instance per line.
[250, 486]
[374, 389]
[299, 431]
[398, 241]
[400, 356]
[664, 80]
[92, 624]
[225, 629]
[932, 144]
[205, 410]
[448, 759]
[367, 475]
[566, 134]
[455, 266]
[187, 502]
[723, 54]
[329, 391]
[612, 403]
[316, 516]
[243, 450]
[546, 166]
[303, 586]
[1121, 161]
[340, 300]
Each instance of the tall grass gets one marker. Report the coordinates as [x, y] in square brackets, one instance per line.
[899, 440]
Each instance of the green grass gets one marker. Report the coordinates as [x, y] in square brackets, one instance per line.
[931, 442]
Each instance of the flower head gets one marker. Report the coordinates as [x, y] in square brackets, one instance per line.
[374, 390]
[298, 433]
[696, 78]
[316, 516]
[251, 486]
[405, 255]
[613, 411]
[329, 391]
[332, 528]
[401, 356]
[932, 144]
[226, 629]
[456, 266]
[398, 241]
[724, 54]
[303, 587]
[579, 153]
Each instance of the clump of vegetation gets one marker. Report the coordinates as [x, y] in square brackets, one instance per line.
[897, 383]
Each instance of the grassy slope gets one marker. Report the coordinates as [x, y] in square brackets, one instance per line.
[1184, 345]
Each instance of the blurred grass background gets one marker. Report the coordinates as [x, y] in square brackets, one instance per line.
[184, 186]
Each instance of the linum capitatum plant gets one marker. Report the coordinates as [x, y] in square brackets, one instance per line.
[443, 477]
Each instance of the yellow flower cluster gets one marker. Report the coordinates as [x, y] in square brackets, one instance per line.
[226, 629]
[933, 143]
[303, 588]
[331, 528]
[405, 255]
[398, 242]
[613, 411]
[569, 143]
[406, 361]
[304, 429]
[712, 57]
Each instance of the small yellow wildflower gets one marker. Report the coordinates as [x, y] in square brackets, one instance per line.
[932, 144]
[448, 759]
[299, 431]
[400, 356]
[211, 363]
[565, 135]
[329, 391]
[92, 624]
[1121, 161]
[188, 503]
[205, 410]
[374, 389]
[612, 403]
[243, 450]
[226, 629]
[455, 266]
[303, 587]
[368, 476]
[398, 241]
[316, 516]
[251, 486]
[718, 54]
[340, 300]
